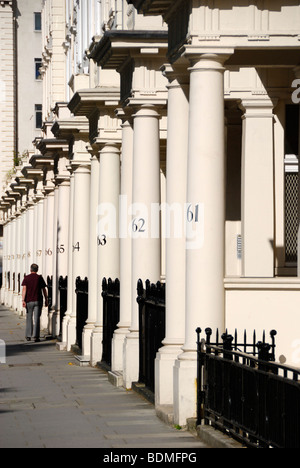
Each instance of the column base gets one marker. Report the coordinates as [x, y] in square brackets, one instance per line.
[21, 310]
[96, 346]
[2, 296]
[116, 378]
[61, 346]
[71, 333]
[164, 370]
[185, 388]
[64, 327]
[44, 318]
[10, 299]
[131, 359]
[86, 339]
[15, 301]
[118, 341]
[55, 323]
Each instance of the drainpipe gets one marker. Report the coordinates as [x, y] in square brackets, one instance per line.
[15, 52]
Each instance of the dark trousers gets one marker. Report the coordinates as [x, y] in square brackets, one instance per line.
[33, 317]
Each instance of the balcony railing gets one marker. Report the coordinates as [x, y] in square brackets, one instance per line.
[151, 300]
[63, 298]
[248, 396]
[111, 316]
[82, 300]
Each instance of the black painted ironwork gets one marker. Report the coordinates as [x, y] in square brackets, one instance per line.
[111, 316]
[50, 291]
[63, 298]
[242, 391]
[152, 328]
[82, 299]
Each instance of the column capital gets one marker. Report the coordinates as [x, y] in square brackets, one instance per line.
[125, 115]
[258, 107]
[177, 75]
[110, 147]
[147, 110]
[207, 59]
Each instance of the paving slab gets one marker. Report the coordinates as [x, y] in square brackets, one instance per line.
[48, 401]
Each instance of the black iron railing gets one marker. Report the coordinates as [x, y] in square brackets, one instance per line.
[63, 298]
[82, 300]
[111, 316]
[249, 396]
[152, 328]
[50, 291]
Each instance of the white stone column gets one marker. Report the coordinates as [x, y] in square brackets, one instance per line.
[39, 231]
[145, 226]
[93, 263]
[80, 255]
[71, 289]
[44, 256]
[125, 245]
[12, 258]
[53, 313]
[43, 271]
[205, 221]
[62, 250]
[49, 235]
[8, 257]
[34, 258]
[258, 256]
[177, 148]
[22, 254]
[30, 230]
[4, 268]
[17, 261]
[107, 233]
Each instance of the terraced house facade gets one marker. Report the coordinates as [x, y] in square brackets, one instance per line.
[169, 153]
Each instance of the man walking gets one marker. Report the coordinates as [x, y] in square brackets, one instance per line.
[34, 287]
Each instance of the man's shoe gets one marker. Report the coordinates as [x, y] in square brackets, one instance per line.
[37, 340]
[28, 339]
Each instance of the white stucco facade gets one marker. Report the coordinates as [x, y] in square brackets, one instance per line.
[169, 153]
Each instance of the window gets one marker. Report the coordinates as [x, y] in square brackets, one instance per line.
[291, 184]
[38, 64]
[38, 116]
[37, 21]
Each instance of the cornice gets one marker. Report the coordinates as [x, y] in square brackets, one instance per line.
[51, 145]
[67, 128]
[30, 172]
[116, 45]
[39, 161]
[84, 101]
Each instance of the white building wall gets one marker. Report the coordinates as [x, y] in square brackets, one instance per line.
[30, 89]
[7, 113]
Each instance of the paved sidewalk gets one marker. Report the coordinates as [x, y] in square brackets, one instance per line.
[47, 401]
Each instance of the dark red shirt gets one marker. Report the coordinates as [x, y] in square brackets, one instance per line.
[34, 285]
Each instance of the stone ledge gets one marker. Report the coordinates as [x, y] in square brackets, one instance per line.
[83, 361]
[216, 439]
[166, 414]
[116, 378]
[61, 346]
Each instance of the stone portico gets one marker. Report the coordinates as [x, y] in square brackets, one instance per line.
[177, 161]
